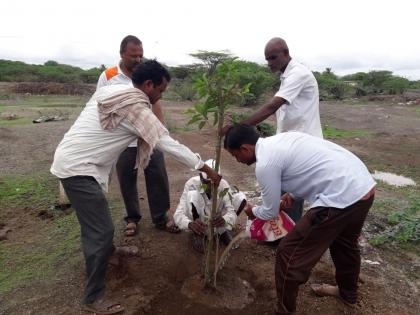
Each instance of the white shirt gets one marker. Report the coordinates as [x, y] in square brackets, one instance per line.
[193, 193]
[301, 110]
[89, 150]
[113, 76]
[317, 170]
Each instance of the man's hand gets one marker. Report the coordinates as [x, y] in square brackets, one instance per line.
[225, 129]
[212, 174]
[198, 227]
[218, 221]
[248, 211]
[286, 201]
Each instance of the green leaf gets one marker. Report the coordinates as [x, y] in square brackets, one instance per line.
[223, 192]
[216, 118]
[194, 119]
[201, 125]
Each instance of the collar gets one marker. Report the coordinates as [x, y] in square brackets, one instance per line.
[120, 72]
[289, 67]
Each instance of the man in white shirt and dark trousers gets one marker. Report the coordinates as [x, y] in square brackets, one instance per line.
[296, 104]
[340, 191]
[157, 186]
[113, 118]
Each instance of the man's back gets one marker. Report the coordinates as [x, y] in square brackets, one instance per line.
[311, 168]
[87, 148]
[301, 110]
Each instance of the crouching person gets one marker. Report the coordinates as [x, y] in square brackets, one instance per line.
[114, 117]
[193, 211]
[340, 191]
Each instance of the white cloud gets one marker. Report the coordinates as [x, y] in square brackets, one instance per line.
[346, 36]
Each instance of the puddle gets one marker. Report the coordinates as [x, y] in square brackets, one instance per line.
[393, 179]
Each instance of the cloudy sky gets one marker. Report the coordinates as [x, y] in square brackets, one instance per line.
[348, 36]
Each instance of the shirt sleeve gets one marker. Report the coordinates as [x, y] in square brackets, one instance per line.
[180, 152]
[291, 86]
[270, 183]
[181, 217]
[101, 81]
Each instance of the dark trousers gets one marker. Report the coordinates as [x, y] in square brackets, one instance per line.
[97, 231]
[157, 186]
[319, 229]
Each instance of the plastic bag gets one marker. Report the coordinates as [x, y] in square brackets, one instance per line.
[270, 230]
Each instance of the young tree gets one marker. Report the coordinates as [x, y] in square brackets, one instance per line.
[217, 92]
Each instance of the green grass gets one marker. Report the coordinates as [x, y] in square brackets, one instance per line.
[53, 248]
[18, 190]
[330, 132]
[51, 252]
[401, 216]
[15, 122]
[45, 101]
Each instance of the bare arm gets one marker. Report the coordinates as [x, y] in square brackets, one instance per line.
[265, 111]
[262, 114]
[157, 110]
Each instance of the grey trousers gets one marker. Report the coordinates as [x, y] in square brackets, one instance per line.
[157, 186]
[97, 231]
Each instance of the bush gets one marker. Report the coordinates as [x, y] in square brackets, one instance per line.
[261, 79]
[51, 71]
[185, 89]
[330, 87]
[404, 226]
[264, 129]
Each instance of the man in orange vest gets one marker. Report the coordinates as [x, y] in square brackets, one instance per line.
[157, 186]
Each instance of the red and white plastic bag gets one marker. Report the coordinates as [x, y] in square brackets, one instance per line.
[270, 230]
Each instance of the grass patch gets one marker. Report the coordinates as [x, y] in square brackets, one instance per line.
[15, 122]
[46, 101]
[49, 254]
[19, 190]
[402, 222]
[330, 132]
[53, 248]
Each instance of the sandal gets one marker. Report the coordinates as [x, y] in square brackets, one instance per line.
[169, 226]
[126, 251]
[130, 229]
[103, 307]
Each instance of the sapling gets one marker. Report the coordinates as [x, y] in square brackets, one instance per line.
[217, 91]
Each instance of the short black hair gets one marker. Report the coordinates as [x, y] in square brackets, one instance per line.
[150, 70]
[240, 134]
[129, 39]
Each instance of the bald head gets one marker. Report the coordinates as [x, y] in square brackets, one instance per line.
[277, 54]
[276, 43]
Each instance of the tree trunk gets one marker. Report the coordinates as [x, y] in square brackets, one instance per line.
[210, 267]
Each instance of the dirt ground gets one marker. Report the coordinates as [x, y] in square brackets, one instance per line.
[152, 282]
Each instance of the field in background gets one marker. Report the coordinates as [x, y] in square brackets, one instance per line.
[41, 266]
